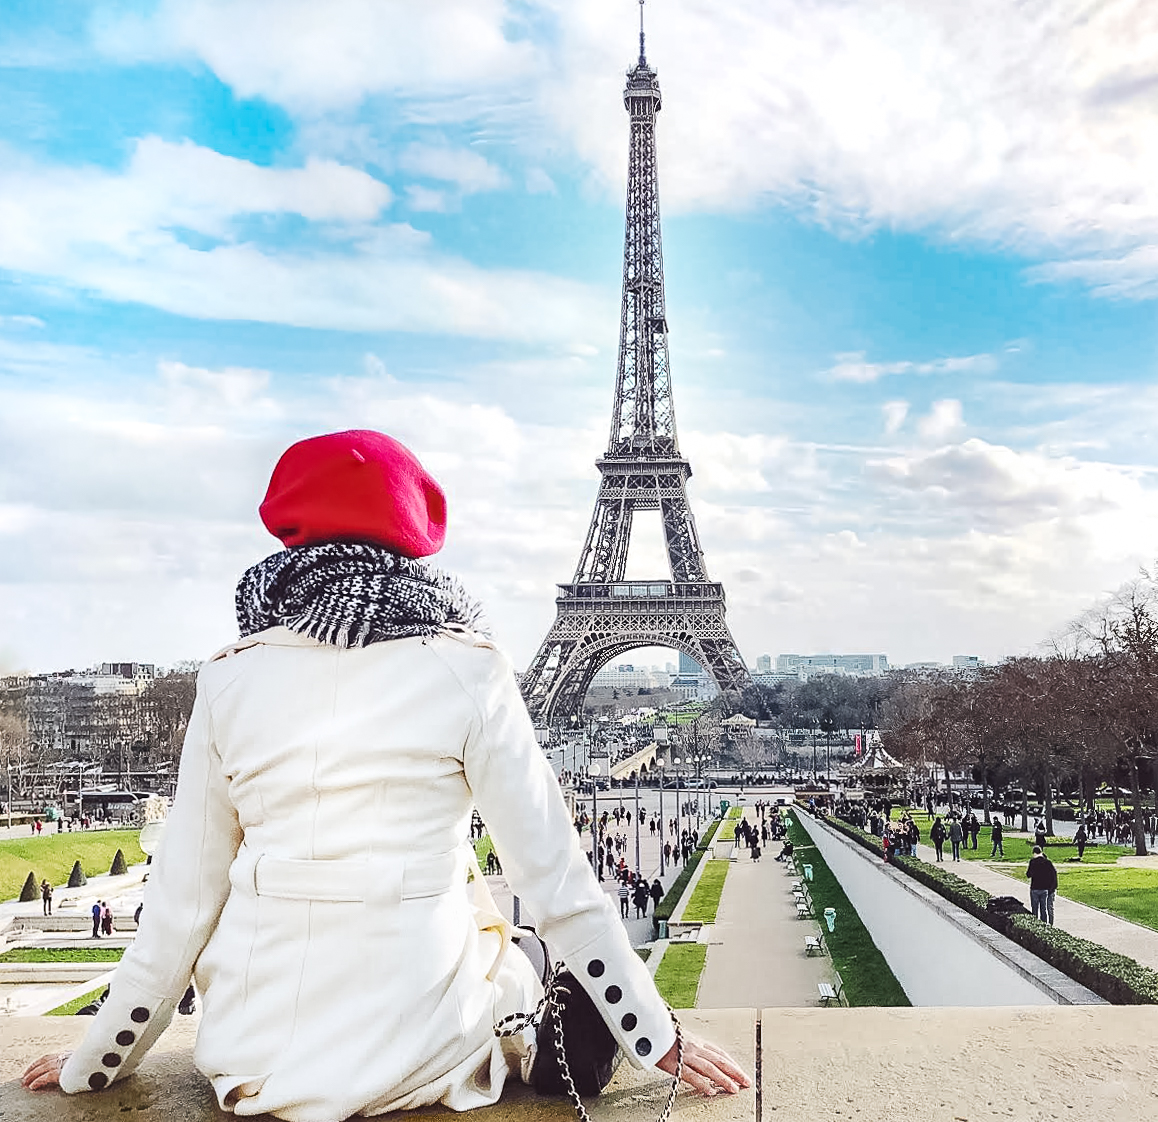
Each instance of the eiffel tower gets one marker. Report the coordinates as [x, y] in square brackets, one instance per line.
[600, 614]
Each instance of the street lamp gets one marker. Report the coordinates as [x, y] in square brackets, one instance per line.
[679, 807]
[638, 864]
[593, 771]
[659, 765]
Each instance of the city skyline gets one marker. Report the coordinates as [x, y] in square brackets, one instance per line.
[911, 286]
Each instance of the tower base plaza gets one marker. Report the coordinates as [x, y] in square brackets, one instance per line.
[922, 1065]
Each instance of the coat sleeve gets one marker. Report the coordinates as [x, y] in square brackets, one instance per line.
[187, 887]
[518, 797]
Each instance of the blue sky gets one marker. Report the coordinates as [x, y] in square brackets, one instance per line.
[912, 265]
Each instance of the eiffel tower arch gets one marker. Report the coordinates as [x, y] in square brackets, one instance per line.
[600, 614]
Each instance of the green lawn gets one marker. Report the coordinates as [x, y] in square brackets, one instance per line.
[727, 831]
[678, 975]
[70, 1007]
[1126, 892]
[863, 970]
[705, 901]
[1017, 847]
[63, 954]
[51, 856]
[482, 847]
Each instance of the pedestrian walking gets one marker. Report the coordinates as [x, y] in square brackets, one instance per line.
[46, 896]
[96, 920]
[106, 918]
[656, 893]
[1042, 875]
[937, 834]
[995, 835]
[1080, 839]
[624, 898]
[640, 896]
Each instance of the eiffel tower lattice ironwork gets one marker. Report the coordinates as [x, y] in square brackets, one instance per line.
[600, 614]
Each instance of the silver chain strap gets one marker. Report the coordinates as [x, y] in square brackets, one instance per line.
[550, 1006]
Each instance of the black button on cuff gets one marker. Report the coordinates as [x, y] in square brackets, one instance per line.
[98, 1081]
[643, 1046]
[125, 1038]
[613, 994]
[111, 1059]
[140, 1015]
[595, 968]
[629, 1021]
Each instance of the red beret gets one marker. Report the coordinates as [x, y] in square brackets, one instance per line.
[358, 486]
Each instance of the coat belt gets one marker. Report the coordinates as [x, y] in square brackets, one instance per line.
[348, 881]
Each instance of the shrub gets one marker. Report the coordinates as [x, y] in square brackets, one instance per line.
[77, 879]
[119, 866]
[30, 891]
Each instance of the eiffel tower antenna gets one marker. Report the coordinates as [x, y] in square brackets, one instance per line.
[600, 614]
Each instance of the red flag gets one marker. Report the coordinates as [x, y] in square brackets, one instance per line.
[858, 743]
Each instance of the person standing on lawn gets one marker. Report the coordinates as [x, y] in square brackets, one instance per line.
[937, 834]
[1080, 839]
[996, 836]
[1042, 875]
[955, 836]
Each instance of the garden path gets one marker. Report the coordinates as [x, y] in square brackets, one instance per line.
[1131, 939]
[756, 957]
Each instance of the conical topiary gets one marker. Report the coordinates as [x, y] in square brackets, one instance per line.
[77, 879]
[30, 891]
[119, 865]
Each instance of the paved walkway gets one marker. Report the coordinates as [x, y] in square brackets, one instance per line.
[1001, 879]
[756, 957]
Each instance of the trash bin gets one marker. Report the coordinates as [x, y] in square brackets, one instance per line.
[808, 872]
[663, 928]
[830, 919]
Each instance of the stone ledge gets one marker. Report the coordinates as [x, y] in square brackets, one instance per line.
[923, 1065]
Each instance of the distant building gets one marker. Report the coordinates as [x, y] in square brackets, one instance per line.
[967, 662]
[764, 664]
[853, 665]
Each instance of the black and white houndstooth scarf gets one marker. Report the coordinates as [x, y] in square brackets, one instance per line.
[350, 594]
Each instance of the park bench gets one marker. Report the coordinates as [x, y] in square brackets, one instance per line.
[830, 992]
[813, 944]
[802, 910]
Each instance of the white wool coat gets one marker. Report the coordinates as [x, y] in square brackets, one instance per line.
[313, 880]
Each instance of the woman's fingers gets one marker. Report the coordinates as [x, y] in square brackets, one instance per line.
[44, 1072]
[707, 1069]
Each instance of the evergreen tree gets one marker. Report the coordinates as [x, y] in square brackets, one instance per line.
[77, 879]
[119, 865]
[31, 890]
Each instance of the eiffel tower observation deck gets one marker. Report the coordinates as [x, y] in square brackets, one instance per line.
[600, 614]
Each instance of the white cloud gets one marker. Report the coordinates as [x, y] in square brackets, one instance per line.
[894, 413]
[851, 367]
[20, 321]
[315, 57]
[944, 420]
[125, 237]
[467, 170]
[147, 507]
[1132, 275]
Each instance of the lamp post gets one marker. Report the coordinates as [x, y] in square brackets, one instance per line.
[593, 772]
[659, 765]
[638, 863]
[678, 847]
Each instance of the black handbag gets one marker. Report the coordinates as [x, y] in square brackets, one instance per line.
[575, 1052]
[590, 1051]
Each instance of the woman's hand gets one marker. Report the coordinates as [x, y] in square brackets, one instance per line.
[707, 1069]
[45, 1072]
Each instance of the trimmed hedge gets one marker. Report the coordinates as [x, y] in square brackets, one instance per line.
[120, 866]
[77, 879]
[1115, 977]
[667, 906]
